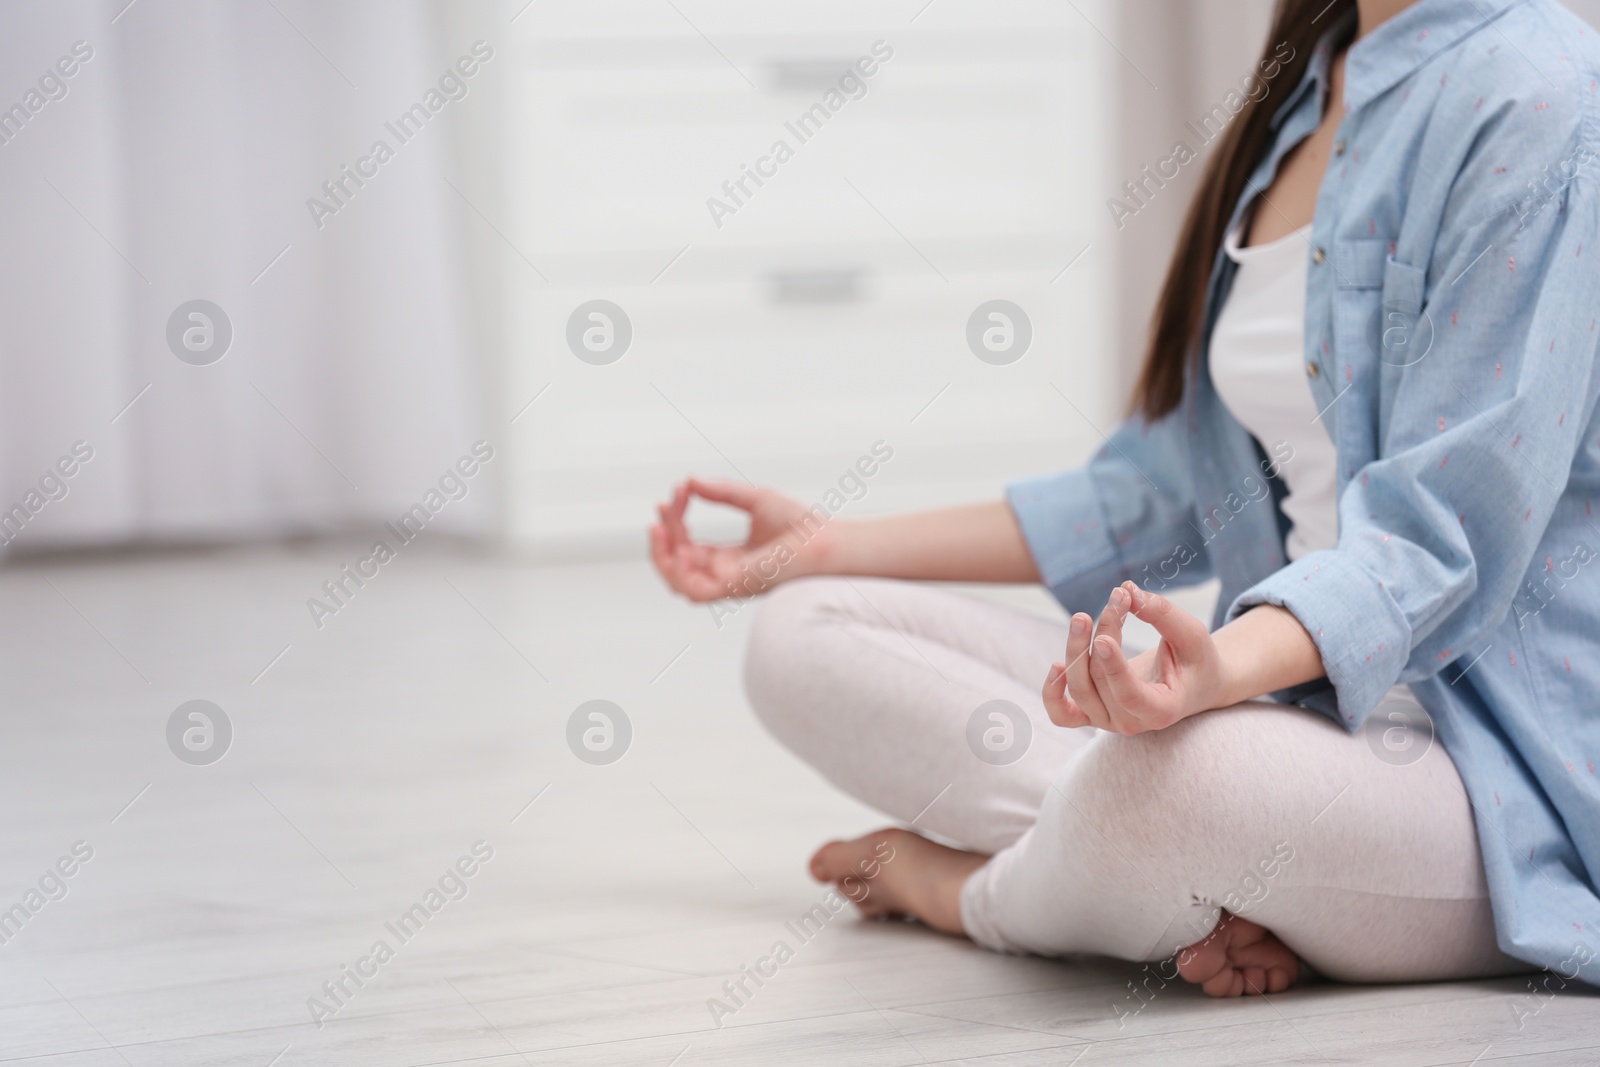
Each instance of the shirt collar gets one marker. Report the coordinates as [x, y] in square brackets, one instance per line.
[1315, 79]
[1298, 115]
[1381, 59]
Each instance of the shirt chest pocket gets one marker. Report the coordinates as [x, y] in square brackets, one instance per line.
[1378, 312]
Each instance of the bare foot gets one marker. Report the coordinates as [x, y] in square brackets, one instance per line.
[1239, 957]
[897, 872]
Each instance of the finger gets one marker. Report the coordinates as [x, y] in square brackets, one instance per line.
[1186, 634]
[699, 580]
[680, 501]
[679, 578]
[664, 522]
[674, 514]
[1123, 695]
[734, 494]
[703, 559]
[699, 572]
[702, 588]
[1054, 691]
[1118, 604]
[1061, 708]
[1080, 686]
[660, 555]
[665, 557]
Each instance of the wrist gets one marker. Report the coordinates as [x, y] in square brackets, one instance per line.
[824, 552]
[1232, 679]
[803, 553]
[1262, 651]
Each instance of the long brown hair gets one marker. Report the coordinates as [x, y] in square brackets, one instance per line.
[1180, 312]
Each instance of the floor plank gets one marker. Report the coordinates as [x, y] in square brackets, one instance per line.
[374, 752]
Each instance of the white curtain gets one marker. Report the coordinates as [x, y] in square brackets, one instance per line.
[175, 164]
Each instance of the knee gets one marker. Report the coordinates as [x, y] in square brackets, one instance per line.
[1210, 778]
[778, 656]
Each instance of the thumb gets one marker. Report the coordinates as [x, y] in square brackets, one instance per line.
[1186, 634]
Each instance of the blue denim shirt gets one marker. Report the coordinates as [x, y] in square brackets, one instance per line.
[1450, 333]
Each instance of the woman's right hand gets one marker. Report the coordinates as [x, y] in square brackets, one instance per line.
[781, 544]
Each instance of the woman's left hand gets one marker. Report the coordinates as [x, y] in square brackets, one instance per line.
[1098, 686]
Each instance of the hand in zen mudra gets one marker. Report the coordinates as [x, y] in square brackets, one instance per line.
[773, 551]
[1098, 686]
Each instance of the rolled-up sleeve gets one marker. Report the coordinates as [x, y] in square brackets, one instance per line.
[1436, 535]
[1129, 507]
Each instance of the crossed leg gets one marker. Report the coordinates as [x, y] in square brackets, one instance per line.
[1237, 840]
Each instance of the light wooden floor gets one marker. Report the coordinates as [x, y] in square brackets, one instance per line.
[424, 717]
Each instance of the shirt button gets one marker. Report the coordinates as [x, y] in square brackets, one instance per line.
[1318, 256]
[1313, 369]
[1338, 148]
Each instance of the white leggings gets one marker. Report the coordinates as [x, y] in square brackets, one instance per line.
[1123, 846]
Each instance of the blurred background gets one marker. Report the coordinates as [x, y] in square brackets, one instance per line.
[375, 337]
[480, 279]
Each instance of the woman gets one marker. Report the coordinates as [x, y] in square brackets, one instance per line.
[1367, 408]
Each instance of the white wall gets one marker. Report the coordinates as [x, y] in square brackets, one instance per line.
[832, 307]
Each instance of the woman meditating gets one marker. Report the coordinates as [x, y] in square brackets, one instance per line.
[1367, 409]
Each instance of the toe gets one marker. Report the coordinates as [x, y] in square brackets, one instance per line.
[1259, 953]
[1239, 957]
[1225, 983]
[860, 859]
[828, 863]
[1203, 960]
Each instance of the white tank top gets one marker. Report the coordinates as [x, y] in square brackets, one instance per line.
[1258, 368]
